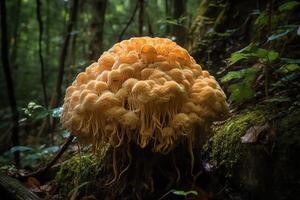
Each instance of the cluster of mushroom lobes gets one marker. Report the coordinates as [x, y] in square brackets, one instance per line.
[145, 90]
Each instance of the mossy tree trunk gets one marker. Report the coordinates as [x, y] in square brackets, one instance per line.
[214, 27]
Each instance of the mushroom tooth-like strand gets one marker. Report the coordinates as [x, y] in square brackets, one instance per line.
[130, 120]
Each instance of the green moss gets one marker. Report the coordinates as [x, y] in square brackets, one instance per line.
[76, 174]
[262, 170]
[227, 148]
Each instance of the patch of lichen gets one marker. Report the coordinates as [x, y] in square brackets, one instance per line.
[76, 174]
[226, 146]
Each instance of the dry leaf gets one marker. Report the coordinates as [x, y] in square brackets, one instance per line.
[32, 182]
[253, 132]
[46, 188]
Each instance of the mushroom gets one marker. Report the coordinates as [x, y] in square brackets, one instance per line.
[149, 91]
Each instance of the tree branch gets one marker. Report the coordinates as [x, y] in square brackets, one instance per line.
[129, 22]
[41, 172]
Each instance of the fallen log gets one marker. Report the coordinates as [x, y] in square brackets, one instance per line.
[12, 189]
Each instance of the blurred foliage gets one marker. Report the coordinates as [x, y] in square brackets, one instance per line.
[32, 157]
[246, 77]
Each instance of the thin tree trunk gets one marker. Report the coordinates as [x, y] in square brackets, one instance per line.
[179, 11]
[55, 100]
[129, 21]
[62, 58]
[168, 15]
[14, 51]
[97, 25]
[47, 33]
[43, 76]
[41, 31]
[9, 82]
[46, 123]
[72, 59]
[141, 17]
[150, 29]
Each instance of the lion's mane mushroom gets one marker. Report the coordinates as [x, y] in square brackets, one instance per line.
[149, 91]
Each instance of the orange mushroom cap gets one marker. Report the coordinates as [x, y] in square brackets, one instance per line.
[146, 90]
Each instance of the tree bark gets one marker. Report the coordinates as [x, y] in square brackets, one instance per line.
[214, 17]
[9, 82]
[11, 188]
[97, 26]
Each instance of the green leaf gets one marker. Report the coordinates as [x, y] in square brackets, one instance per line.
[35, 111]
[56, 112]
[21, 149]
[291, 60]
[184, 193]
[248, 48]
[231, 75]
[248, 73]
[251, 51]
[262, 20]
[260, 53]
[33, 157]
[33, 105]
[240, 92]
[41, 114]
[289, 77]
[66, 134]
[272, 56]
[289, 68]
[288, 6]
[52, 149]
[279, 35]
[236, 57]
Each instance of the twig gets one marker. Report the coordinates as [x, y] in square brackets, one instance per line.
[43, 77]
[42, 171]
[129, 22]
